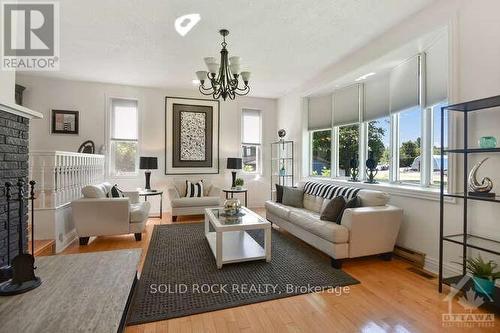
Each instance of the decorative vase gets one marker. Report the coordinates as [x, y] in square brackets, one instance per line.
[483, 286]
[487, 142]
[282, 171]
[232, 206]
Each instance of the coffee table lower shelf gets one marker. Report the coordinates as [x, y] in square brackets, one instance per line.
[237, 246]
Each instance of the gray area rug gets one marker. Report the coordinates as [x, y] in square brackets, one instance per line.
[180, 277]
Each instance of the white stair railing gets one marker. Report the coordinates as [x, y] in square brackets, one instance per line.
[61, 175]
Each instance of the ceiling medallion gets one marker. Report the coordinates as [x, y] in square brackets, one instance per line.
[223, 77]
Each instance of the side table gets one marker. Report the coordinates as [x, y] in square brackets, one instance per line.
[147, 194]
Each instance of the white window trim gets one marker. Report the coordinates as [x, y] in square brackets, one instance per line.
[333, 143]
[259, 156]
[108, 131]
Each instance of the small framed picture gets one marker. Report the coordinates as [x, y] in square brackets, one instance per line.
[65, 122]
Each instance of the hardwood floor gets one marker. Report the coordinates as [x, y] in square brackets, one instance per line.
[390, 298]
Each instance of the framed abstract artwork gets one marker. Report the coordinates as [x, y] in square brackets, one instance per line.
[65, 122]
[191, 136]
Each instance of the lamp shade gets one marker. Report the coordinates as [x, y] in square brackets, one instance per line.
[234, 163]
[148, 163]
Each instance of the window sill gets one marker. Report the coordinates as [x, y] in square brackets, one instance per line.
[395, 189]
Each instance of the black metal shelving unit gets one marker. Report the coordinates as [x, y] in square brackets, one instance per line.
[282, 155]
[465, 238]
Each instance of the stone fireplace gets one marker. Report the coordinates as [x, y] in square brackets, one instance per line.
[14, 134]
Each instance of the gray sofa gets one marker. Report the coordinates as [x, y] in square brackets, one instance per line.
[367, 230]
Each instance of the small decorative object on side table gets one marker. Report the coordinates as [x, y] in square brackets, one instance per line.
[234, 163]
[281, 134]
[232, 191]
[487, 142]
[353, 165]
[371, 169]
[148, 164]
[483, 188]
[239, 183]
[150, 193]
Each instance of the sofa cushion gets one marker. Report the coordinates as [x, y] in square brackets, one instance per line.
[277, 209]
[353, 203]
[293, 197]
[139, 212]
[94, 191]
[195, 202]
[311, 222]
[371, 198]
[333, 209]
[180, 186]
[313, 203]
[279, 193]
[194, 189]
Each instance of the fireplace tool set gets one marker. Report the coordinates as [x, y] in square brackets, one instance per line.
[20, 272]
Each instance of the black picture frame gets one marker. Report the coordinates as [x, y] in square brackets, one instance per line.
[210, 165]
[57, 129]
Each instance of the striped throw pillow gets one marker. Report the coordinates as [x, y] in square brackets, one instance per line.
[194, 189]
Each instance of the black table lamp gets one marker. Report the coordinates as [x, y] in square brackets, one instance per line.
[148, 164]
[234, 163]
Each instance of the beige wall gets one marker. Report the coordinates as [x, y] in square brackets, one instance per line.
[44, 94]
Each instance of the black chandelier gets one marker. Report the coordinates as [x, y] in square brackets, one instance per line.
[224, 77]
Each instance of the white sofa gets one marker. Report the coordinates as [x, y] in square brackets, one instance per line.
[182, 205]
[367, 230]
[97, 215]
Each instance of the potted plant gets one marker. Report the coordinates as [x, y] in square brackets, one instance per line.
[483, 274]
[239, 183]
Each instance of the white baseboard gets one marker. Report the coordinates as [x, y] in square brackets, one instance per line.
[69, 238]
[432, 265]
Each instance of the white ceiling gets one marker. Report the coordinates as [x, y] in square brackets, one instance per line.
[282, 42]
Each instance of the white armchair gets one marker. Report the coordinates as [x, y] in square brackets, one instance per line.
[97, 215]
[181, 205]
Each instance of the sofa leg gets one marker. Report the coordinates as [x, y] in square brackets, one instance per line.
[138, 236]
[84, 240]
[336, 263]
[174, 218]
[386, 256]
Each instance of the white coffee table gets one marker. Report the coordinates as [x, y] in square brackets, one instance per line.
[230, 242]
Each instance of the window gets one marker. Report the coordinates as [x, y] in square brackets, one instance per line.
[124, 128]
[410, 133]
[436, 144]
[378, 146]
[348, 148]
[251, 137]
[321, 157]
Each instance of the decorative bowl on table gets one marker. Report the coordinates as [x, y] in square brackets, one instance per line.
[232, 206]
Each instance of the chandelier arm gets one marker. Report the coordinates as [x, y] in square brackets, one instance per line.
[245, 91]
[205, 93]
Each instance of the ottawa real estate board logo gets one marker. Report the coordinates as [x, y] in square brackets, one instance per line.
[30, 36]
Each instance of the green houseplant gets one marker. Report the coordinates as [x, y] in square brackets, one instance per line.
[239, 182]
[483, 274]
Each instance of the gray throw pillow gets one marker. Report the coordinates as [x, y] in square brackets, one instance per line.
[333, 209]
[353, 203]
[293, 197]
